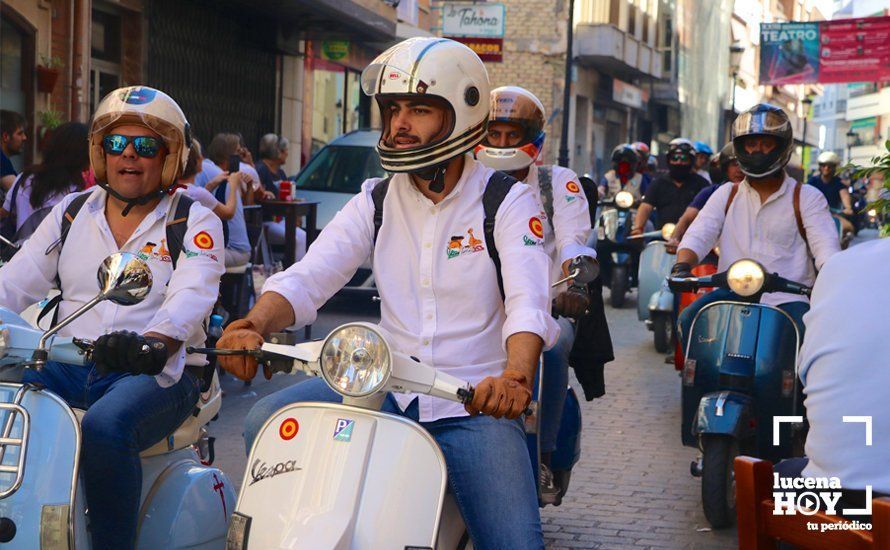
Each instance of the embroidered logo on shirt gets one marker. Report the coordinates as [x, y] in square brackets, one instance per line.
[192, 254]
[203, 240]
[572, 187]
[536, 227]
[457, 247]
[148, 252]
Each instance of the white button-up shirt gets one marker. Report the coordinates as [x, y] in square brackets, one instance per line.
[438, 286]
[766, 233]
[844, 368]
[178, 301]
[570, 229]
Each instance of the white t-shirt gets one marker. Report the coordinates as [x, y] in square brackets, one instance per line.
[23, 208]
[844, 367]
[204, 197]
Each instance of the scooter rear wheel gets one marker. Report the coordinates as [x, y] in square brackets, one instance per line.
[718, 479]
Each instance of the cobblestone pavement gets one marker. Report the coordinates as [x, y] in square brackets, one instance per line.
[632, 488]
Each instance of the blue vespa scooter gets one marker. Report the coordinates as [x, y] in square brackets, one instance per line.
[655, 301]
[617, 255]
[740, 373]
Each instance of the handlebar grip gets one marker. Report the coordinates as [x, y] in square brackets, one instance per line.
[466, 395]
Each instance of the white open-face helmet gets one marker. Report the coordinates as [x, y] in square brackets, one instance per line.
[441, 69]
[147, 107]
[829, 157]
[517, 106]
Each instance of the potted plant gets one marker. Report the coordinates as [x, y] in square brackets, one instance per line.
[878, 175]
[48, 73]
[49, 121]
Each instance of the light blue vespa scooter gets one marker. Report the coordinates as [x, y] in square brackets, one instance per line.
[655, 303]
[184, 502]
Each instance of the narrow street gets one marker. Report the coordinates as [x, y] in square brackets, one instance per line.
[632, 487]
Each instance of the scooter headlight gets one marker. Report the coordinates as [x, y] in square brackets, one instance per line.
[667, 230]
[4, 340]
[624, 199]
[872, 213]
[355, 360]
[745, 277]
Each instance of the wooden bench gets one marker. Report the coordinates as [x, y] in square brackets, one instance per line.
[759, 528]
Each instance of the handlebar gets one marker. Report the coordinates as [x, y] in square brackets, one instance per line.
[276, 362]
[772, 283]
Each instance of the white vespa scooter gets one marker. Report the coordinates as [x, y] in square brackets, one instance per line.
[184, 503]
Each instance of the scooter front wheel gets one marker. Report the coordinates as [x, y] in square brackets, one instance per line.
[618, 287]
[663, 330]
[718, 479]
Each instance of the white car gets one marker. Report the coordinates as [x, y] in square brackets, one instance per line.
[333, 176]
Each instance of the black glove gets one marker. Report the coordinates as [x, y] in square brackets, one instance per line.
[681, 270]
[126, 351]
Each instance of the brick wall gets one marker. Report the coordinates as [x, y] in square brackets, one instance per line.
[60, 100]
[534, 58]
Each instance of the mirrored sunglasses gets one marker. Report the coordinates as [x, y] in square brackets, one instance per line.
[145, 146]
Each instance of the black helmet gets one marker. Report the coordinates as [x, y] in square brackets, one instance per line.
[763, 120]
[625, 153]
[727, 155]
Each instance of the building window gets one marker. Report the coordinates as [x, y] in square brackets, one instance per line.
[338, 104]
[105, 62]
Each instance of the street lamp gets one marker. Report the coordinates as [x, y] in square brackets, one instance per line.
[735, 61]
[806, 101]
[567, 90]
[851, 141]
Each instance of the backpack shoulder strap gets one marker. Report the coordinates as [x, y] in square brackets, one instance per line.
[545, 180]
[732, 194]
[378, 195]
[795, 200]
[68, 217]
[177, 225]
[496, 190]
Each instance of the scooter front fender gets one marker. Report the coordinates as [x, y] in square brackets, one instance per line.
[662, 300]
[724, 413]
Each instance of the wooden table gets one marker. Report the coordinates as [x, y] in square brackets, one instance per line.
[291, 210]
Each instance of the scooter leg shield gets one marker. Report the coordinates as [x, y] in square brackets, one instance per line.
[568, 442]
[185, 504]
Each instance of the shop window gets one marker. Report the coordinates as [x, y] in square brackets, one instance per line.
[338, 104]
[14, 92]
[105, 65]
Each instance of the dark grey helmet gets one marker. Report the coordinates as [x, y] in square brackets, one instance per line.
[765, 120]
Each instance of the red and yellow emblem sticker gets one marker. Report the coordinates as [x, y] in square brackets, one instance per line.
[536, 227]
[288, 429]
[203, 240]
[573, 187]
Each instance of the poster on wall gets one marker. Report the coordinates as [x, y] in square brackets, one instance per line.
[845, 50]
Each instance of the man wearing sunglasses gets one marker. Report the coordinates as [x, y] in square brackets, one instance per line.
[139, 388]
[669, 195]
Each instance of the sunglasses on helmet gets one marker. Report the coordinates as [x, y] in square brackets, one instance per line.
[145, 146]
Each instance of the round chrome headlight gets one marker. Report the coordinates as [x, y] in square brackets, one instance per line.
[355, 360]
[873, 213]
[745, 278]
[667, 230]
[624, 199]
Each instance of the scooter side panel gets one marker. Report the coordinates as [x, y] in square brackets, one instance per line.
[53, 446]
[568, 441]
[655, 265]
[185, 504]
[324, 475]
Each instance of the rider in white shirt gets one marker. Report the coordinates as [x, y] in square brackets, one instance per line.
[138, 390]
[441, 299]
[513, 144]
[768, 217]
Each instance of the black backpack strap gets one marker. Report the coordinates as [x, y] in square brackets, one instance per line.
[378, 195]
[545, 181]
[68, 216]
[177, 225]
[496, 190]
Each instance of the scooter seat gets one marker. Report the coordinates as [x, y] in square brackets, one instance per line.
[190, 431]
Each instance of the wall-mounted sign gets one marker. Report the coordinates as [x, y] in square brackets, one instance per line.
[459, 19]
[629, 95]
[842, 50]
[488, 49]
[334, 50]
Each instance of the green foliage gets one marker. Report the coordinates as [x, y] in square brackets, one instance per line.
[51, 119]
[880, 165]
[51, 61]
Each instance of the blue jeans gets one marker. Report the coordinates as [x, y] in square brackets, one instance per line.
[489, 470]
[795, 310]
[126, 414]
[554, 382]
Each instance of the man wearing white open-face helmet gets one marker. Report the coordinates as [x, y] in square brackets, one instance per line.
[457, 289]
[139, 387]
[514, 142]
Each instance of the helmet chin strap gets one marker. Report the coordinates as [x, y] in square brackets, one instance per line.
[435, 176]
[137, 201]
